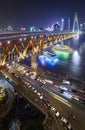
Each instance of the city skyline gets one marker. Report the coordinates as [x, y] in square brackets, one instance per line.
[38, 13]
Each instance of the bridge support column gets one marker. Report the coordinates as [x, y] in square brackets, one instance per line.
[11, 56]
[14, 56]
[8, 57]
[62, 43]
[0, 56]
[34, 63]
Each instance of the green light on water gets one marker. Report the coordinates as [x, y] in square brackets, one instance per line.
[62, 51]
[64, 55]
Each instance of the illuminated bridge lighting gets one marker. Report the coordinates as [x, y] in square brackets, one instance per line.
[20, 43]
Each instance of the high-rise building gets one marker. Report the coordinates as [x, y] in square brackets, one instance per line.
[35, 29]
[82, 27]
[56, 27]
[9, 29]
[68, 26]
[62, 24]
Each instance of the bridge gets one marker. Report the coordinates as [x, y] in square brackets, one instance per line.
[19, 43]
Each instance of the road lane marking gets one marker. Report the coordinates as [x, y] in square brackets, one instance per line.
[61, 99]
[58, 98]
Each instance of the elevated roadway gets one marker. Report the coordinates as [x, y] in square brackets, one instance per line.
[13, 35]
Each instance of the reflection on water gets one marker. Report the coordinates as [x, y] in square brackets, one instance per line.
[76, 58]
[75, 63]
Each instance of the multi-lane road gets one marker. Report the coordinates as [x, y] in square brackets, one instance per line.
[48, 99]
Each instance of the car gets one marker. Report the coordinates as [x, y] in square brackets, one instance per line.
[25, 82]
[66, 123]
[69, 127]
[16, 75]
[27, 74]
[53, 109]
[38, 79]
[64, 120]
[29, 86]
[57, 114]
[42, 81]
[32, 88]
[46, 103]
[41, 97]
[32, 76]
[66, 81]
[38, 94]
[48, 81]
[63, 88]
[55, 84]
[35, 91]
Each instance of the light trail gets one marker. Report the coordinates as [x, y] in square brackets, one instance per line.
[61, 99]
[58, 98]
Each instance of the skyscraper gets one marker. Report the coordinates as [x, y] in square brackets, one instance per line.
[56, 27]
[62, 24]
[68, 26]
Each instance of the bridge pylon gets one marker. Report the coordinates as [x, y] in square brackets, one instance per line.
[76, 24]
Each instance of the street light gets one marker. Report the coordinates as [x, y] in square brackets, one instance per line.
[25, 39]
[81, 25]
[7, 64]
[31, 37]
[20, 39]
[8, 42]
[13, 62]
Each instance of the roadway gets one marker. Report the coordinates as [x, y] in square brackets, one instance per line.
[66, 108]
[34, 99]
[23, 90]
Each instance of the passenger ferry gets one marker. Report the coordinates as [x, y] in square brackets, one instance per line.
[49, 56]
[61, 48]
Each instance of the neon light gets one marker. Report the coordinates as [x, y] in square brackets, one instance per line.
[63, 48]
[62, 51]
[63, 55]
[46, 62]
[48, 58]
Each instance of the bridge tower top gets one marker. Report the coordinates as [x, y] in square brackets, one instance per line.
[76, 24]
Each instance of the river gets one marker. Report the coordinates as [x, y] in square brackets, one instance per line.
[72, 64]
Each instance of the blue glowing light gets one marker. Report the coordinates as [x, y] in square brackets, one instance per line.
[62, 20]
[48, 58]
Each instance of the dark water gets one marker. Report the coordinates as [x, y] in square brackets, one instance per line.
[72, 64]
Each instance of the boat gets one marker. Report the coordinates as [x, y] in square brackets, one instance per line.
[48, 58]
[60, 48]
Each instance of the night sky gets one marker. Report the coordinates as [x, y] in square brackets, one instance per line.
[39, 12]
